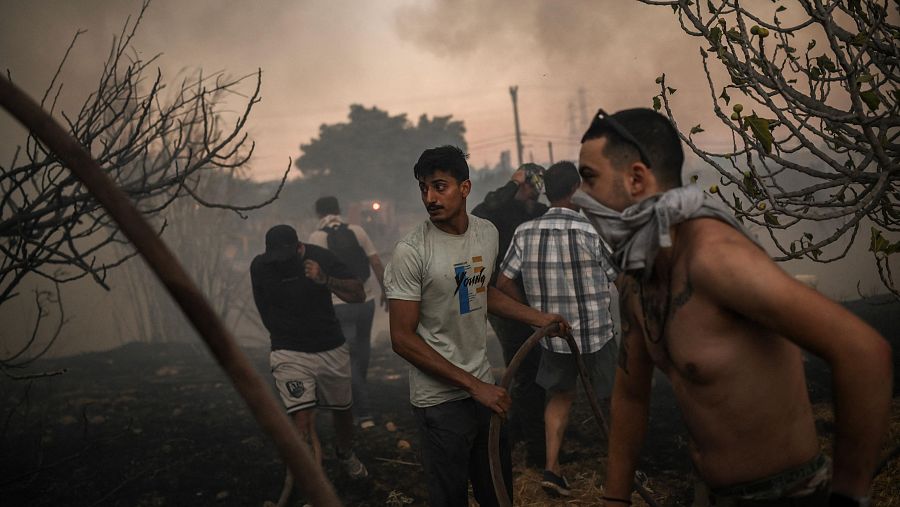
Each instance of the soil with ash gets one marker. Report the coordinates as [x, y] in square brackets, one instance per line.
[153, 425]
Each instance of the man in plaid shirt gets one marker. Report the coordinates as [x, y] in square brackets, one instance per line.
[560, 259]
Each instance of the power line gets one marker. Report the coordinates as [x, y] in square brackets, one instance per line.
[491, 139]
[489, 145]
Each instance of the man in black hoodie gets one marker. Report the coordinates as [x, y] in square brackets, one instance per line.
[507, 207]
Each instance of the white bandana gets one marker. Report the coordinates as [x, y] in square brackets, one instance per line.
[329, 221]
[637, 233]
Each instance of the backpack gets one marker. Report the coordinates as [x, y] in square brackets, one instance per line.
[344, 245]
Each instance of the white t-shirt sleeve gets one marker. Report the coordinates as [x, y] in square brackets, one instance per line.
[319, 238]
[512, 263]
[403, 275]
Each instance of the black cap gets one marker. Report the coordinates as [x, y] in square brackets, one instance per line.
[281, 243]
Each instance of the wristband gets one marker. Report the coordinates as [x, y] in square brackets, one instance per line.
[612, 499]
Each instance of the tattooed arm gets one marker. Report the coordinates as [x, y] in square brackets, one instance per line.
[350, 290]
[630, 398]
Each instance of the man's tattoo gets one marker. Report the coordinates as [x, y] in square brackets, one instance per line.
[654, 308]
[623, 355]
[659, 306]
[684, 296]
[341, 286]
[625, 293]
[625, 314]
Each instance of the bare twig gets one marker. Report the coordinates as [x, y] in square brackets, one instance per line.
[157, 148]
[399, 462]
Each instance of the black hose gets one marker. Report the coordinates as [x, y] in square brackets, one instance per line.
[496, 421]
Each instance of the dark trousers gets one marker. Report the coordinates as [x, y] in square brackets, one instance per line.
[526, 419]
[454, 446]
[356, 324]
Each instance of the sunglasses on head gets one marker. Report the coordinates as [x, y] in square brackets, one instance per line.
[607, 120]
[536, 179]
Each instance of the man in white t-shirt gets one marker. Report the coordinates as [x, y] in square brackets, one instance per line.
[352, 246]
[437, 284]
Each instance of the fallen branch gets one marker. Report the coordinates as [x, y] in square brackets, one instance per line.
[31, 376]
[399, 462]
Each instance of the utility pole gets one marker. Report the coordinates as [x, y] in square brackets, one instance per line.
[550, 149]
[513, 92]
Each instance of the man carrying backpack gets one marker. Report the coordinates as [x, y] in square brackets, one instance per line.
[352, 246]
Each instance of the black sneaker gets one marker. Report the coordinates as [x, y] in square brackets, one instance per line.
[555, 485]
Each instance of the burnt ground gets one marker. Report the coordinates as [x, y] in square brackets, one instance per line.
[152, 425]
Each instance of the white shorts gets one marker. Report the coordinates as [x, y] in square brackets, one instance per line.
[313, 379]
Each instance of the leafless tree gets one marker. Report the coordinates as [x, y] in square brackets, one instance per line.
[33, 348]
[158, 143]
[811, 105]
[212, 244]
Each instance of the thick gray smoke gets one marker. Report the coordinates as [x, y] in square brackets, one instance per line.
[614, 49]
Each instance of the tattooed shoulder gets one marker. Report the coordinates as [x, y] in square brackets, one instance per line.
[627, 286]
[627, 290]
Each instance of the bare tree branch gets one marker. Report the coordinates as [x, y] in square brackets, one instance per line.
[255, 392]
[156, 141]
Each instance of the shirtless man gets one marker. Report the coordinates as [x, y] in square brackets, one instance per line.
[726, 325]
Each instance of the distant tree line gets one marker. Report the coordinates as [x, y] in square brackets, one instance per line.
[371, 155]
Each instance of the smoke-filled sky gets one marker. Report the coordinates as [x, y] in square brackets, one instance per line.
[435, 57]
[438, 58]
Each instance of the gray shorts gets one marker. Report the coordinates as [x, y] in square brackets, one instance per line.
[558, 372]
[313, 379]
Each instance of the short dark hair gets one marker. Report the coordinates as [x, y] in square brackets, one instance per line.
[327, 205]
[653, 131]
[443, 158]
[561, 180]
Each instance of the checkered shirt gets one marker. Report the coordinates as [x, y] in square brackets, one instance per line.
[560, 258]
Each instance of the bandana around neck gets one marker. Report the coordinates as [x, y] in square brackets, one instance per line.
[637, 233]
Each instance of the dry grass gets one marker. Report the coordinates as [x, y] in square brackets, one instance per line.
[585, 476]
[886, 489]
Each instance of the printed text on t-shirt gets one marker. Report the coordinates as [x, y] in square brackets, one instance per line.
[470, 281]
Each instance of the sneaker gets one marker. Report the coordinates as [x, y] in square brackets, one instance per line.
[555, 485]
[354, 467]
